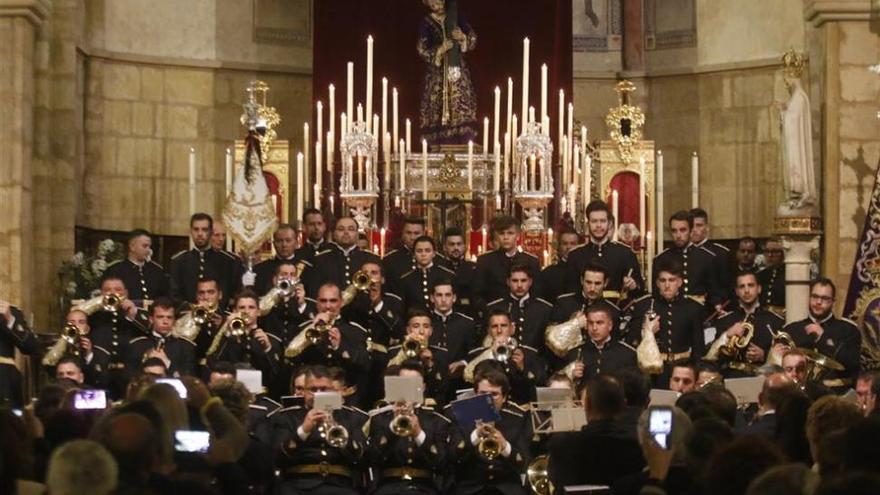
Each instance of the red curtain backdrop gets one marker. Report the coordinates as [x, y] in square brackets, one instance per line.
[341, 28]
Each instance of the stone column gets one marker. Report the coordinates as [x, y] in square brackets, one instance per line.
[633, 35]
[800, 236]
[19, 22]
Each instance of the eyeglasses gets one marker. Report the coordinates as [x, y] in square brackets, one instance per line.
[817, 297]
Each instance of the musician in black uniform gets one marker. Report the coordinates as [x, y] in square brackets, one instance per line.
[600, 353]
[554, 277]
[113, 328]
[208, 295]
[433, 358]
[315, 229]
[340, 261]
[416, 285]
[624, 272]
[257, 345]
[675, 319]
[398, 262]
[344, 345]
[92, 359]
[700, 238]
[454, 246]
[530, 314]
[177, 353]
[188, 267]
[145, 279]
[526, 369]
[452, 330]
[746, 251]
[765, 324]
[407, 464]
[493, 268]
[592, 292]
[284, 239]
[308, 463]
[699, 277]
[772, 277]
[475, 474]
[14, 334]
[833, 337]
[291, 309]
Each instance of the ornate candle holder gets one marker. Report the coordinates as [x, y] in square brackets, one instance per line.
[533, 182]
[359, 184]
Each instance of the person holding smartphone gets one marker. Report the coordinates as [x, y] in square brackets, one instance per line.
[177, 353]
[307, 461]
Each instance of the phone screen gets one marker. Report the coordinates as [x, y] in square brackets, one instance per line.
[660, 425]
[192, 441]
[176, 383]
[90, 399]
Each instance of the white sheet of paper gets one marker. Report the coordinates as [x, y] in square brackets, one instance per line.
[746, 390]
[660, 397]
[252, 379]
[328, 401]
[568, 418]
[408, 389]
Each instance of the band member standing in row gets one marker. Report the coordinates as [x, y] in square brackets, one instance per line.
[454, 247]
[93, 361]
[383, 317]
[398, 262]
[700, 238]
[433, 358]
[190, 266]
[285, 242]
[493, 268]
[209, 297]
[14, 334]
[178, 354]
[340, 261]
[416, 285]
[600, 353]
[699, 277]
[530, 314]
[454, 331]
[624, 273]
[315, 229]
[592, 290]
[554, 278]
[144, 278]
[772, 277]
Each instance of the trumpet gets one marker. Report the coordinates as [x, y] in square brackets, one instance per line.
[488, 447]
[402, 424]
[201, 313]
[360, 282]
[70, 338]
[333, 433]
[780, 337]
[412, 347]
[234, 327]
[318, 332]
[284, 288]
[503, 351]
[112, 302]
[103, 302]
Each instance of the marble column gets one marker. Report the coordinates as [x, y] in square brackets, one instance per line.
[19, 22]
[800, 237]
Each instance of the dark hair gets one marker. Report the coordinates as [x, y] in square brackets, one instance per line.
[682, 216]
[154, 362]
[444, 281]
[707, 366]
[519, 267]
[598, 205]
[416, 313]
[283, 226]
[245, 294]
[284, 263]
[602, 307]
[495, 378]
[411, 365]
[109, 276]
[134, 234]
[824, 281]
[198, 217]
[424, 238]
[164, 303]
[636, 387]
[74, 360]
[503, 222]
[670, 266]
[311, 211]
[787, 479]
[862, 451]
[698, 213]
[735, 465]
[685, 364]
[745, 273]
[747, 238]
[721, 401]
[605, 396]
[708, 434]
[595, 267]
[452, 232]
[208, 279]
[319, 371]
[496, 312]
[414, 221]
[223, 368]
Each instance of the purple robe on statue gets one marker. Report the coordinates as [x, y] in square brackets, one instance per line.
[449, 105]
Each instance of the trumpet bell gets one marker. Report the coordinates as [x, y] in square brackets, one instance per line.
[318, 332]
[337, 436]
[401, 425]
[238, 326]
[538, 474]
[112, 302]
[412, 347]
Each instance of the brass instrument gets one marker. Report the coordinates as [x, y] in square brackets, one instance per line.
[565, 336]
[648, 353]
[190, 324]
[333, 433]
[402, 425]
[234, 327]
[202, 313]
[780, 337]
[503, 351]
[317, 332]
[103, 302]
[69, 338]
[411, 348]
[538, 474]
[284, 288]
[488, 447]
[360, 282]
[736, 344]
[817, 364]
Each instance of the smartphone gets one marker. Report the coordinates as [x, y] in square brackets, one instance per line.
[176, 383]
[660, 425]
[18, 412]
[90, 399]
[192, 441]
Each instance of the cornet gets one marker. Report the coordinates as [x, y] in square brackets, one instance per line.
[402, 425]
[332, 432]
[234, 327]
[503, 351]
[488, 448]
[412, 347]
[319, 332]
[104, 302]
[538, 475]
[202, 313]
[738, 343]
[112, 302]
[360, 282]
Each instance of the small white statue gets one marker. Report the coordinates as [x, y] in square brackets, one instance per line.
[797, 139]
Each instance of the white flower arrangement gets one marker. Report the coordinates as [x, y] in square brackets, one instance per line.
[80, 276]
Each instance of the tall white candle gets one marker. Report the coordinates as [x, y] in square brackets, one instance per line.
[575, 167]
[525, 82]
[563, 146]
[349, 93]
[513, 136]
[561, 116]
[485, 137]
[376, 129]
[329, 142]
[306, 142]
[300, 183]
[509, 104]
[649, 262]
[386, 156]
[507, 162]
[643, 188]
[496, 185]
[470, 165]
[228, 191]
[369, 82]
[192, 181]
[401, 183]
[588, 180]
[384, 106]
[425, 170]
[695, 180]
[531, 115]
[331, 117]
[343, 125]
[660, 222]
[497, 123]
[394, 125]
[360, 113]
[584, 144]
[615, 212]
[316, 199]
[382, 242]
[408, 137]
[319, 132]
[570, 126]
[543, 91]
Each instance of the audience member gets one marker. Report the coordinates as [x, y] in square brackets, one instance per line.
[81, 467]
[736, 464]
[788, 479]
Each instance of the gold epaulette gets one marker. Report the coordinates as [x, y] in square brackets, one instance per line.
[530, 254]
[259, 408]
[354, 409]
[393, 296]
[514, 413]
[358, 325]
[136, 339]
[850, 322]
[722, 246]
[618, 243]
[157, 264]
[114, 263]
[704, 248]
[407, 274]
[228, 254]
[184, 339]
[389, 253]
[321, 253]
[528, 347]
[661, 252]
[626, 345]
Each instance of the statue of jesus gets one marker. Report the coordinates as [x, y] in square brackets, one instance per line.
[449, 105]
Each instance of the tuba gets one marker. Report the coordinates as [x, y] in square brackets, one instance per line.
[538, 474]
[647, 353]
[565, 336]
[488, 447]
[360, 282]
[402, 425]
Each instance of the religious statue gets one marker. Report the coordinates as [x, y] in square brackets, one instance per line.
[797, 141]
[449, 104]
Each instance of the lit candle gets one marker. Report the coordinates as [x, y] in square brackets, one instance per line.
[584, 143]
[329, 151]
[531, 114]
[485, 137]
[228, 171]
[318, 175]
[614, 212]
[497, 123]
[376, 128]
[319, 134]
[570, 127]
[332, 204]
[317, 197]
[513, 136]
[532, 162]
[408, 137]
[658, 195]
[545, 125]
[695, 180]
[384, 106]
[343, 126]
[360, 113]
[497, 176]
[389, 164]
[394, 125]
[573, 184]
[588, 180]
[306, 141]
[546, 257]
[525, 81]
[349, 96]
[497, 202]
[572, 198]
[331, 117]
[382, 242]
[564, 159]
[507, 162]
[509, 103]
[300, 183]
[561, 124]
[360, 168]
[424, 169]
[550, 237]
[642, 190]
[649, 261]
[543, 91]
[402, 182]
[485, 239]
[370, 81]
[470, 165]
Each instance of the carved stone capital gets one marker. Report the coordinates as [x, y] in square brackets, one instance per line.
[787, 226]
[35, 11]
[819, 12]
